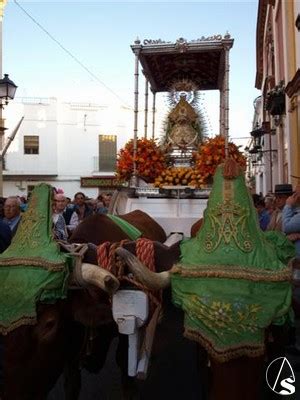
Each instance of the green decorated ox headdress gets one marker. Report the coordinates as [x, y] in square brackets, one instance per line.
[233, 280]
[32, 269]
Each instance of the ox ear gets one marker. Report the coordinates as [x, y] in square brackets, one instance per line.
[47, 325]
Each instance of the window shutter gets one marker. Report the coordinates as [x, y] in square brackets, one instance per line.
[31, 144]
[107, 153]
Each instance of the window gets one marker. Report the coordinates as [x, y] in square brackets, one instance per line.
[31, 144]
[107, 153]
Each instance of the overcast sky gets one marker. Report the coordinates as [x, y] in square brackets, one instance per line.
[99, 35]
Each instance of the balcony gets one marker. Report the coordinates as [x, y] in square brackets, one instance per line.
[275, 100]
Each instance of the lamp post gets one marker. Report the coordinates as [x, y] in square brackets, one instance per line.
[257, 135]
[7, 92]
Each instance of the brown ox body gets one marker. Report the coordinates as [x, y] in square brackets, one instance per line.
[100, 228]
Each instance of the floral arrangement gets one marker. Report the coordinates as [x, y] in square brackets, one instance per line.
[151, 163]
[211, 153]
[150, 160]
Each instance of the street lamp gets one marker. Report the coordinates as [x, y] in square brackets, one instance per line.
[7, 90]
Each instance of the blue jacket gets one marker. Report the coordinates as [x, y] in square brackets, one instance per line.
[5, 236]
[264, 219]
[291, 223]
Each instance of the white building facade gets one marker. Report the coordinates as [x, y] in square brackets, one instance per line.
[63, 143]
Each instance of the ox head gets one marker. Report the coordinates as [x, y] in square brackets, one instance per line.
[90, 274]
[152, 280]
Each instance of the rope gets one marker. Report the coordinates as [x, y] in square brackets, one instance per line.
[145, 253]
[107, 259]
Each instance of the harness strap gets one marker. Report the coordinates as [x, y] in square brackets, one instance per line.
[76, 250]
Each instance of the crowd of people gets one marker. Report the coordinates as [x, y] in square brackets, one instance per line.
[278, 211]
[281, 212]
[67, 213]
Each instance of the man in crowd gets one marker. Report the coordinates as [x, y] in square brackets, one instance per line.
[12, 213]
[291, 227]
[282, 192]
[103, 201]
[59, 205]
[60, 202]
[291, 219]
[263, 215]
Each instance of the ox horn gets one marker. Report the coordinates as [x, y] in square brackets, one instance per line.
[152, 280]
[91, 274]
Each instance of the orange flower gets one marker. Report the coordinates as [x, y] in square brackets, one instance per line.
[150, 161]
[211, 153]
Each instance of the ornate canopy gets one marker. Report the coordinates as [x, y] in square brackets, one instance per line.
[182, 67]
[201, 61]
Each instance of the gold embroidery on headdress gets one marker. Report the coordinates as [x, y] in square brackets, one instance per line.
[228, 223]
[28, 233]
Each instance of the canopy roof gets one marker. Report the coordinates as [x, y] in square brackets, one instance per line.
[202, 61]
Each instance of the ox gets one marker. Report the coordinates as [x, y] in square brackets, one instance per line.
[100, 228]
[235, 379]
[35, 356]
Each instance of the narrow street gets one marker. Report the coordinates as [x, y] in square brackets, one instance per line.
[173, 371]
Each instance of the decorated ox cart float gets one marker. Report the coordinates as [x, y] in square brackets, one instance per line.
[170, 176]
[225, 273]
[231, 280]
